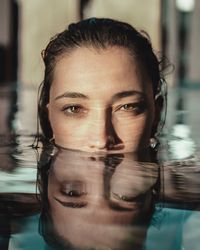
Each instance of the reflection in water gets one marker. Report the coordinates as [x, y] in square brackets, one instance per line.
[180, 183]
[96, 201]
[181, 146]
[105, 202]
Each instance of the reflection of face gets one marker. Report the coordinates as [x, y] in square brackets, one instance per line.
[99, 101]
[87, 211]
[132, 180]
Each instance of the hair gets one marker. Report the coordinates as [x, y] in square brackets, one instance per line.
[46, 227]
[99, 33]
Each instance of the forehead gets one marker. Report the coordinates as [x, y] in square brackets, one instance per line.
[87, 69]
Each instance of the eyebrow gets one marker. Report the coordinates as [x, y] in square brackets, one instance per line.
[114, 98]
[71, 204]
[116, 207]
[72, 95]
[129, 93]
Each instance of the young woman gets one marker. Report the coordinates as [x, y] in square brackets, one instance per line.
[102, 88]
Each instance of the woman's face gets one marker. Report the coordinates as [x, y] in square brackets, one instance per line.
[100, 101]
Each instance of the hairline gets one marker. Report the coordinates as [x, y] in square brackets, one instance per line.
[94, 47]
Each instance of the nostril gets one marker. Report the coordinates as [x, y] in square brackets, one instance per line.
[110, 142]
[98, 144]
[107, 142]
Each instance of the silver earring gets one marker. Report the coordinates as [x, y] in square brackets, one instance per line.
[154, 191]
[51, 140]
[153, 142]
[53, 152]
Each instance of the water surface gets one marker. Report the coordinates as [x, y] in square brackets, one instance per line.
[52, 198]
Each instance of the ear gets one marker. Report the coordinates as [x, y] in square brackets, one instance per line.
[47, 110]
[159, 103]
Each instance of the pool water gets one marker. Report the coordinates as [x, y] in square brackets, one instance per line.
[53, 198]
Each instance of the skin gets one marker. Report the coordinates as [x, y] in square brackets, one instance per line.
[99, 101]
[102, 220]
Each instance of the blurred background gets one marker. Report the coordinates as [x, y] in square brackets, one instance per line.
[27, 25]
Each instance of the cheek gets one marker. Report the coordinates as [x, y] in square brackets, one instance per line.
[68, 129]
[135, 129]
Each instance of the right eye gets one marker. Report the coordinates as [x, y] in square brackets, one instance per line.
[73, 189]
[73, 193]
[73, 110]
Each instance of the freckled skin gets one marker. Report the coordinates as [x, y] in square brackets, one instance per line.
[99, 122]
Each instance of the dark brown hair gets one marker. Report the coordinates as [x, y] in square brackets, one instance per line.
[99, 33]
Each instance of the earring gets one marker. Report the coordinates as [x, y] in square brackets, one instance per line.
[153, 143]
[52, 141]
[154, 192]
[53, 151]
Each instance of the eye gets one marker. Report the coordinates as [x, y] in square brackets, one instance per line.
[135, 108]
[73, 110]
[73, 189]
[128, 198]
[73, 193]
[129, 106]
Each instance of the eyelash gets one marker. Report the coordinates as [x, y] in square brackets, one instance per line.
[127, 198]
[73, 193]
[136, 108]
[68, 110]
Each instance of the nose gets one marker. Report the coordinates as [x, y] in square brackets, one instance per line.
[103, 135]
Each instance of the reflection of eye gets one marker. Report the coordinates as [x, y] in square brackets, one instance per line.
[136, 108]
[73, 189]
[73, 110]
[125, 202]
[127, 198]
[72, 193]
[71, 204]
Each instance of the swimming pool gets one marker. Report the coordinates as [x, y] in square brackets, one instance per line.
[84, 201]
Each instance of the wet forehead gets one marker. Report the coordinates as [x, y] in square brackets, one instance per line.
[87, 69]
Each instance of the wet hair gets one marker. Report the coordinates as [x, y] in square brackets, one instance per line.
[46, 228]
[99, 33]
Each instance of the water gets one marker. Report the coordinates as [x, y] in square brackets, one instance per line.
[62, 199]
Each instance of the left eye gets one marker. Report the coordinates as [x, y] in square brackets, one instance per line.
[130, 106]
[133, 107]
[73, 189]
[72, 193]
